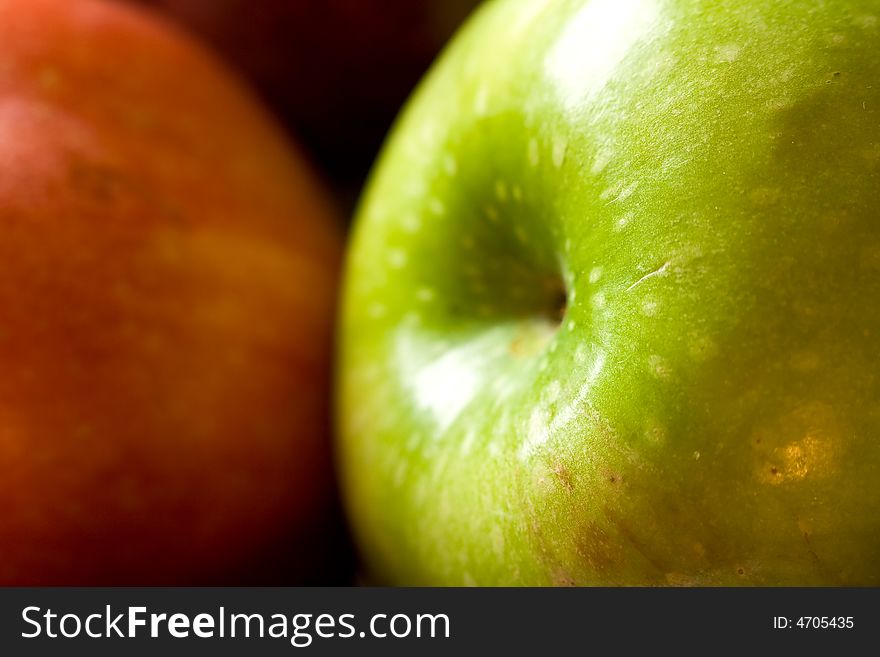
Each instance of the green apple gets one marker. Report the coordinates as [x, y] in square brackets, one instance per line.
[610, 310]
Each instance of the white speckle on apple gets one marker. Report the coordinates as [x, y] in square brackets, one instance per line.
[481, 101]
[867, 22]
[625, 193]
[560, 146]
[778, 104]
[534, 156]
[574, 407]
[415, 188]
[624, 220]
[517, 193]
[436, 206]
[467, 443]
[411, 223]
[450, 165]
[727, 53]
[656, 434]
[673, 162]
[649, 307]
[786, 75]
[593, 374]
[571, 325]
[595, 274]
[428, 132]
[572, 296]
[696, 456]
[537, 433]
[425, 294]
[603, 157]
[610, 191]
[702, 348]
[598, 300]
[658, 366]
[397, 258]
[500, 191]
[552, 391]
[491, 213]
[660, 271]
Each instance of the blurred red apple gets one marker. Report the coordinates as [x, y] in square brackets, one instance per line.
[167, 277]
[337, 71]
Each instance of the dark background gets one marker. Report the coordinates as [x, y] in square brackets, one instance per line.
[335, 72]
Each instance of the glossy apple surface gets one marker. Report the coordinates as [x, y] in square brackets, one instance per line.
[609, 313]
[336, 71]
[167, 286]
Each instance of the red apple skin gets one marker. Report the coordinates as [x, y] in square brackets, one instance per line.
[167, 279]
[336, 71]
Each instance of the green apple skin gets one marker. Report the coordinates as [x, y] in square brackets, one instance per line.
[703, 180]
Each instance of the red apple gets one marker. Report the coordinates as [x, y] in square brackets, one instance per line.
[167, 277]
[337, 71]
